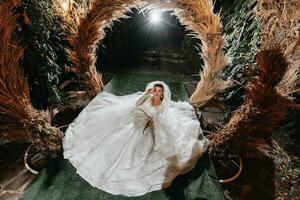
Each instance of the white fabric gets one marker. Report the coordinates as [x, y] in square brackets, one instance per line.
[109, 149]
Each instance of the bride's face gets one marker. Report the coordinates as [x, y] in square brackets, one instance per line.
[158, 91]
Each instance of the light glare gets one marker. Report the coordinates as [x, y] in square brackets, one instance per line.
[155, 18]
[64, 6]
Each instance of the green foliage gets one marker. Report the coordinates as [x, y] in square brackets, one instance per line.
[242, 30]
[242, 34]
[44, 54]
[192, 49]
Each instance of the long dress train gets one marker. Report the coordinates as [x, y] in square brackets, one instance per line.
[112, 148]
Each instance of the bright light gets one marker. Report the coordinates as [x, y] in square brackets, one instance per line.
[64, 6]
[155, 18]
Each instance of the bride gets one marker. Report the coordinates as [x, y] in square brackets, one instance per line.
[134, 144]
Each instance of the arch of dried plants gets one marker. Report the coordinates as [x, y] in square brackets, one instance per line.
[87, 30]
[268, 96]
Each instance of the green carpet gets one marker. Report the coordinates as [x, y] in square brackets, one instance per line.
[59, 180]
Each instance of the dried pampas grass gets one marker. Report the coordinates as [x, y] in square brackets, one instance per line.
[261, 112]
[268, 96]
[198, 16]
[84, 38]
[281, 28]
[69, 12]
[14, 89]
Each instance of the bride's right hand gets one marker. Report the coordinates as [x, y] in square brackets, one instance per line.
[150, 91]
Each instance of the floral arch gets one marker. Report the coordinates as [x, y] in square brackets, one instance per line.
[197, 16]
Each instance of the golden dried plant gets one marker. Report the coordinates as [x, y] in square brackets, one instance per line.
[261, 111]
[84, 38]
[281, 28]
[69, 13]
[198, 16]
[267, 98]
[14, 90]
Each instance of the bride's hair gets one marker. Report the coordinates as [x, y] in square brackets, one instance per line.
[162, 87]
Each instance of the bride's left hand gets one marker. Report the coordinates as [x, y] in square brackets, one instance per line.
[150, 123]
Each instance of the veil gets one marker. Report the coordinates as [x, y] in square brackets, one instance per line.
[169, 109]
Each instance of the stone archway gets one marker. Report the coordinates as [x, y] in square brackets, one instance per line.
[197, 16]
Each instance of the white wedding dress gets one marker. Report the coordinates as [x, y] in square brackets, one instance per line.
[111, 147]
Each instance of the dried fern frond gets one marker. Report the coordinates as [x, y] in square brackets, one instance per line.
[86, 34]
[14, 89]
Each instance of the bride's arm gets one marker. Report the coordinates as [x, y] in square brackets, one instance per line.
[143, 98]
